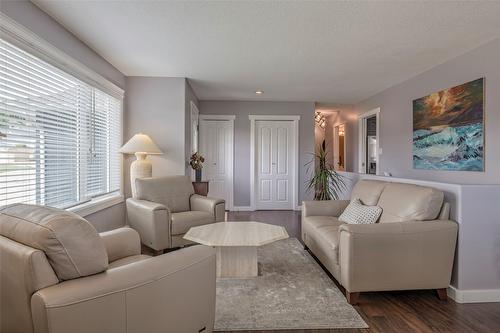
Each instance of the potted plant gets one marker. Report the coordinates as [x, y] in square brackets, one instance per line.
[327, 183]
[196, 162]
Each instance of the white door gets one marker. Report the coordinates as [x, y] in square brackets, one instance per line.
[216, 145]
[274, 167]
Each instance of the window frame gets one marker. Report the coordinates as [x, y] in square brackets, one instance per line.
[25, 39]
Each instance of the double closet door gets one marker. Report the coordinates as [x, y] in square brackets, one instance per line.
[274, 164]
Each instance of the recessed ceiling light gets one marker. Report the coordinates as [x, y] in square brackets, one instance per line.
[259, 92]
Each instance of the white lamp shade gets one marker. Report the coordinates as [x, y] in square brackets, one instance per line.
[140, 143]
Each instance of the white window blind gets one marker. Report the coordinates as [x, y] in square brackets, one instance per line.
[59, 136]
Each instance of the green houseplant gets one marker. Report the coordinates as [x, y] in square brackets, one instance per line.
[326, 183]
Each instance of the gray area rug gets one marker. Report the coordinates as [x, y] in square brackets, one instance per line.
[291, 292]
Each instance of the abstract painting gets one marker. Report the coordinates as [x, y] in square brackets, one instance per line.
[448, 129]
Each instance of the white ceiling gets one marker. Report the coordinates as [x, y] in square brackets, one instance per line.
[340, 52]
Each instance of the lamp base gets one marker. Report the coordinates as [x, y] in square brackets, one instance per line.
[140, 168]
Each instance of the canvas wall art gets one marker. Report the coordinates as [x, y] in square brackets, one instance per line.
[448, 129]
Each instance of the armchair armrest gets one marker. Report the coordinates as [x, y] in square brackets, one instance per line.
[152, 221]
[215, 206]
[121, 243]
[397, 256]
[175, 290]
[324, 207]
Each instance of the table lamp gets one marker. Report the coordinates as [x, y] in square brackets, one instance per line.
[141, 145]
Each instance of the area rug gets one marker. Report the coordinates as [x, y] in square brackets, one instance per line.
[291, 292]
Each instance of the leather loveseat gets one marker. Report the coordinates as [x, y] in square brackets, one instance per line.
[412, 246]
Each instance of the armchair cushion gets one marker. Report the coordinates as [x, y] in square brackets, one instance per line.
[71, 244]
[173, 191]
[183, 221]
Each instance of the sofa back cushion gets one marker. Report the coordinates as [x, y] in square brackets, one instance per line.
[172, 191]
[368, 191]
[72, 245]
[408, 202]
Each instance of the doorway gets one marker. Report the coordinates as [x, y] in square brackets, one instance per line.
[274, 162]
[216, 146]
[339, 147]
[369, 142]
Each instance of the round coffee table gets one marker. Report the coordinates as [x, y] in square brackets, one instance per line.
[236, 244]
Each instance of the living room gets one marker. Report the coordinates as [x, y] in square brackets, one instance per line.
[225, 166]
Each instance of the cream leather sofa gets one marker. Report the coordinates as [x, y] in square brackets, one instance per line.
[411, 247]
[166, 207]
[58, 275]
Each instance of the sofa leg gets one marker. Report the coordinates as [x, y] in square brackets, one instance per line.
[442, 295]
[352, 298]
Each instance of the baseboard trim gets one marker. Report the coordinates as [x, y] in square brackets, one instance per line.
[242, 209]
[474, 295]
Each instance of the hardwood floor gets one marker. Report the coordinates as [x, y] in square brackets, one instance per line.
[401, 311]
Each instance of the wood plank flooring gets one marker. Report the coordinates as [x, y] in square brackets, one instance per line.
[400, 312]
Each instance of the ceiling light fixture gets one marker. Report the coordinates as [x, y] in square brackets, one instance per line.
[259, 92]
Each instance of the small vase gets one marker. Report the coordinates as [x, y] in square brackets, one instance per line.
[198, 175]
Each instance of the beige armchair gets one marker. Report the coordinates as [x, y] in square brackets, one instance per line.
[411, 247]
[58, 275]
[166, 207]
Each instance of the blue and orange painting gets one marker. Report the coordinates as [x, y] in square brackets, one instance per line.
[448, 131]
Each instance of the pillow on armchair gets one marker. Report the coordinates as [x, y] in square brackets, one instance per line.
[357, 213]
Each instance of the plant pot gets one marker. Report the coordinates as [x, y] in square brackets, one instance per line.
[198, 175]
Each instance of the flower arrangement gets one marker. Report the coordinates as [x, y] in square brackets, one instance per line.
[196, 161]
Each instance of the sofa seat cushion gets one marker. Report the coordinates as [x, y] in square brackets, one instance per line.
[321, 221]
[407, 202]
[72, 245]
[181, 222]
[128, 260]
[323, 231]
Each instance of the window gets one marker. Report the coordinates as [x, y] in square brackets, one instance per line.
[59, 135]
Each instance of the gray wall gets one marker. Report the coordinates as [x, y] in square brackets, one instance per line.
[396, 115]
[30, 16]
[189, 97]
[156, 106]
[241, 109]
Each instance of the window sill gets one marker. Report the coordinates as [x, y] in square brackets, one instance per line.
[97, 204]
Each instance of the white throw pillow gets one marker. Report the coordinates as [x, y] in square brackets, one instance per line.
[357, 213]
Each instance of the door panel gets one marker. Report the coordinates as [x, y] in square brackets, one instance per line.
[215, 146]
[265, 190]
[274, 164]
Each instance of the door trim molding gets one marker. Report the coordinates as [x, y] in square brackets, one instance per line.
[217, 117]
[230, 119]
[295, 159]
[362, 144]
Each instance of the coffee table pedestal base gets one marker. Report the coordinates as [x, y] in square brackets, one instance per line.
[237, 261]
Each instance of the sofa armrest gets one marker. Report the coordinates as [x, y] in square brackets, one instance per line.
[152, 221]
[397, 256]
[215, 206]
[121, 243]
[324, 207]
[174, 291]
